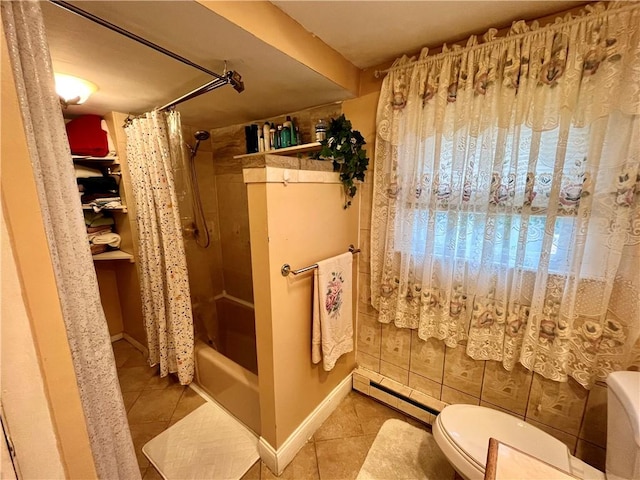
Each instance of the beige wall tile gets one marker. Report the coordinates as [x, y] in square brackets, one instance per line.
[453, 396]
[396, 345]
[427, 401]
[361, 386]
[239, 284]
[557, 404]
[509, 390]
[371, 375]
[398, 387]
[425, 385]
[364, 295]
[368, 361]
[395, 373]
[365, 253]
[594, 423]
[495, 407]
[369, 334]
[462, 372]
[427, 357]
[591, 454]
[566, 438]
[415, 412]
[384, 397]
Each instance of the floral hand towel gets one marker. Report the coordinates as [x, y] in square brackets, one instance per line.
[332, 330]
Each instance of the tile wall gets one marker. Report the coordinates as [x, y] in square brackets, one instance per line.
[231, 191]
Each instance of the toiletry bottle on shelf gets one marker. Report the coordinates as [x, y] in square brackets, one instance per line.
[266, 133]
[260, 139]
[298, 136]
[285, 138]
[272, 136]
[288, 123]
[279, 137]
[321, 130]
[251, 138]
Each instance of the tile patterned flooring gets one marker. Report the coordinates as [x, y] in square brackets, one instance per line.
[336, 451]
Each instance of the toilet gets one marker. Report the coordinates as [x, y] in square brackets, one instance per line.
[462, 432]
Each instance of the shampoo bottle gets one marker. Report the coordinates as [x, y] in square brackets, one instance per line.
[289, 124]
[272, 136]
[266, 133]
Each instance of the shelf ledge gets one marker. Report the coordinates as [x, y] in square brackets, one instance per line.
[114, 255]
[122, 209]
[307, 147]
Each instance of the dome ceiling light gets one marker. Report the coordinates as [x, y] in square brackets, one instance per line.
[73, 90]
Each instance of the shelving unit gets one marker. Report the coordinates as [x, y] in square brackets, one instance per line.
[102, 162]
[307, 147]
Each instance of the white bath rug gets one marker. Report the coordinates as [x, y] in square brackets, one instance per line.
[206, 444]
[402, 451]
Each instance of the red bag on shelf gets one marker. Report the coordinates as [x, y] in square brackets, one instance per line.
[86, 136]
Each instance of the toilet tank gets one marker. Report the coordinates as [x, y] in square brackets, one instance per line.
[623, 426]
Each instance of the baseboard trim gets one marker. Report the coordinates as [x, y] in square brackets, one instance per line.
[116, 337]
[136, 344]
[277, 460]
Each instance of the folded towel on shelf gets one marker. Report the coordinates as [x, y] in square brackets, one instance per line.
[100, 229]
[96, 219]
[109, 239]
[96, 249]
[105, 203]
[332, 328]
[86, 172]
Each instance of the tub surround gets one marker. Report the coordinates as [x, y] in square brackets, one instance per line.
[231, 385]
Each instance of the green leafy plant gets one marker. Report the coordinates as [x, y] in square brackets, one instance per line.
[343, 146]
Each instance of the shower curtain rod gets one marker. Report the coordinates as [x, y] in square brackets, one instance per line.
[231, 77]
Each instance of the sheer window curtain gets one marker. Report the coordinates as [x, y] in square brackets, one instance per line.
[86, 326]
[154, 144]
[506, 214]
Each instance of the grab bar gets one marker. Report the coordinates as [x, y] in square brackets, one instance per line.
[286, 268]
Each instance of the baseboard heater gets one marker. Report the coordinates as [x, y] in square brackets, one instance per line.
[404, 398]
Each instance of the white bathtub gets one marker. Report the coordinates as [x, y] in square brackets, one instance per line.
[232, 386]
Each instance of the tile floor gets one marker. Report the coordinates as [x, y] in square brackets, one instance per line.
[336, 451]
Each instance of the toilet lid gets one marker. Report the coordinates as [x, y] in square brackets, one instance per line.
[469, 427]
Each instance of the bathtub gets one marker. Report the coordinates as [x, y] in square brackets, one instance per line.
[231, 385]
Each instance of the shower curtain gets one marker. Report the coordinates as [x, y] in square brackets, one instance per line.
[84, 318]
[154, 142]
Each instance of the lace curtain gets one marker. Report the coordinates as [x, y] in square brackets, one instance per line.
[87, 332]
[154, 142]
[506, 213]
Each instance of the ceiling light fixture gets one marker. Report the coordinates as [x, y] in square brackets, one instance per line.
[73, 90]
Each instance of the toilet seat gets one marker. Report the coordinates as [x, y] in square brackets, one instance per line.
[463, 431]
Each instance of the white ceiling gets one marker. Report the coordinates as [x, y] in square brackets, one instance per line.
[368, 33]
[134, 78]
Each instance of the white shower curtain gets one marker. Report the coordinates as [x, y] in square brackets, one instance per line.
[84, 318]
[154, 144]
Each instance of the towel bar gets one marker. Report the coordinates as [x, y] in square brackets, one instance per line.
[286, 268]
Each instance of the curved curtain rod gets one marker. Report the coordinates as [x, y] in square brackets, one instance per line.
[228, 77]
[101, 21]
[550, 26]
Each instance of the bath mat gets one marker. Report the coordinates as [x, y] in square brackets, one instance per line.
[402, 451]
[206, 444]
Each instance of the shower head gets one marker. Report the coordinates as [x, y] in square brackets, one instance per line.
[201, 135]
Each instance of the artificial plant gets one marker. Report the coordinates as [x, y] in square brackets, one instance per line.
[343, 146]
